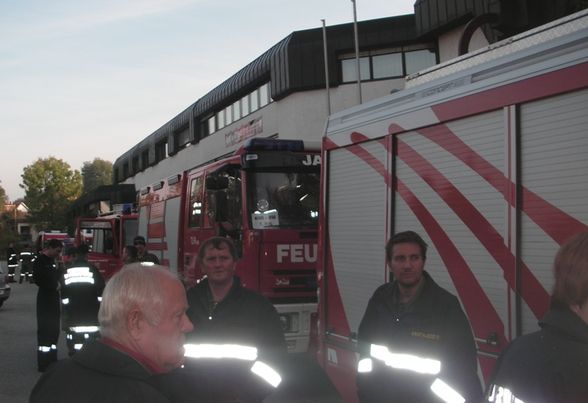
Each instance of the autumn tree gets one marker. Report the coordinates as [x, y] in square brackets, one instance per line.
[2, 198]
[96, 173]
[50, 187]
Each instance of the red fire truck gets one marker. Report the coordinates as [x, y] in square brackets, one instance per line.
[265, 198]
[485, 157]
[106, 236]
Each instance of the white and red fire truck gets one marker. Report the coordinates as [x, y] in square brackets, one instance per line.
[106, 237]
[486, 157]
[265, 198]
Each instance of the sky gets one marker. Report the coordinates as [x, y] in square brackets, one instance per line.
[83, 79]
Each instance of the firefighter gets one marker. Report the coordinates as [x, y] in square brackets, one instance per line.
[81, 291]
[225, 313]
[12, 262]
[46, 276]
[142, 254]
[26, 261]
[415, 341]
[551, 365]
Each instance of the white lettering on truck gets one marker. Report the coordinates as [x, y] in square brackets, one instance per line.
[311, 160]
[298, 253]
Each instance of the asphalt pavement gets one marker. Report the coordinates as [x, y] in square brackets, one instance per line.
[18, 344]
[18, 357]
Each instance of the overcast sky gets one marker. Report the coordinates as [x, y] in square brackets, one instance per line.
[84, 79]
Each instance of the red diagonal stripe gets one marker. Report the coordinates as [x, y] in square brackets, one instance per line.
[478, 307]
[531, 290]
[555, 222]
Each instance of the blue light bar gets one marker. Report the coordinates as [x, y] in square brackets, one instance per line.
[262, 144]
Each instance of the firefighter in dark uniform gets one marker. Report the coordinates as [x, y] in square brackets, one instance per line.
[551, 365]
[26, 262]
[81, 291]
[46, 276]
[225, 313]
[414, 335]
[12, 262]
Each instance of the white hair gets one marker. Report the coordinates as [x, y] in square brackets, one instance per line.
[134, 286]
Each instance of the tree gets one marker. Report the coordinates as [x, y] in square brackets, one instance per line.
[50, 187]
[2, 198]
[96, 173]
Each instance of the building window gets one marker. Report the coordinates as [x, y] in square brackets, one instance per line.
[135, 164]
[418, 60]
[245, 106]
[211, 125]
[264, 95]
[126, 170]
[349, 69]
[145, 159]
[236, 110]
[228, 115]
[254, 100]
[249, 103]
[161, 151]
[220, 119]
[388, 63]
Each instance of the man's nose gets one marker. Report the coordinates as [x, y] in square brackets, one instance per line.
[187, 326]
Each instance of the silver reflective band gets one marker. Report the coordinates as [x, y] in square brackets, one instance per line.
[75, 280]
[267, 373]
[53, 347]
[365, 365]
[405, 361]
[446, 392]
[65, 301]
[44, 349]
[84, 329]
[220, 351]
[500, 394]
[78, 275]
[147, 264]
[99, 299]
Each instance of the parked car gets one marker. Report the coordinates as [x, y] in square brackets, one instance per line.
[4, 286]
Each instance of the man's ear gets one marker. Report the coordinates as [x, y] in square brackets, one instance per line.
[135, 323]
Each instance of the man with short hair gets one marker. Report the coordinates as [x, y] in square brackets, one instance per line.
[143, 324]
[413, 317]
[46, 276]
[225, 312]
[142, 254]
[551, 365]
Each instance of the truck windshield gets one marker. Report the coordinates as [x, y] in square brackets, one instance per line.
[283, 199]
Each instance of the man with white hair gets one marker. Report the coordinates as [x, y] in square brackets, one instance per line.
[142, 322]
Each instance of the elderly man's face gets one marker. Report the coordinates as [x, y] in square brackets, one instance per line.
[164, 342]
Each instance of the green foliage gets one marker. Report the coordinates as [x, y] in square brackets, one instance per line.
[3, 198]
[96, 173]
[50, 188]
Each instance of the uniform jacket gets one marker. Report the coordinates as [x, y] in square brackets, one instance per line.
[96, 374]
[82, 307]
[46, 276]
[242, 317]
[547, 366]
[434, 327]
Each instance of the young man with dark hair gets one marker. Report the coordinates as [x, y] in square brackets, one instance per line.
[414, 318]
